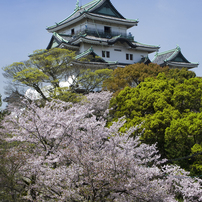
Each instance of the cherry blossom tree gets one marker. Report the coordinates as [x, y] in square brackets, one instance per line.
[72, 156]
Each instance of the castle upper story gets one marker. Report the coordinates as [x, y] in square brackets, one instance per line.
[98, 29]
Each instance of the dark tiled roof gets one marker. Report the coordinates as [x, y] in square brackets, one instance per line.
[113, 18]
[145, 45]
[116, 39]
[57, 39]
[91, 8]
[173, 58]
[77, 12]
[96, 38]
[182, 64]
[160, 58]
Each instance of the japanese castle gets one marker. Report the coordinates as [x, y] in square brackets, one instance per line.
[98, 29]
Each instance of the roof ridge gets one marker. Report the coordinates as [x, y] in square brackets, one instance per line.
[146, 44]
[89, 3]
[135, 20]
[112, 62]
[96, 2]
[165, 52]
[174, 53]
[196, 63]
[84, 52]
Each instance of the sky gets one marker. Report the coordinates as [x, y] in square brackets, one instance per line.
[167, 23]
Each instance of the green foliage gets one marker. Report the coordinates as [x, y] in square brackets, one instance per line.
[180, 75]
[31, 76]
[196, 168]
[54, 63]
[43, 67]
[47, 68]
[89, 80]
[64, 94]
[170, 112]
[131, 76]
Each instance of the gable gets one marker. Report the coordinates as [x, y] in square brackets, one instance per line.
[53, 43]
[108, 9]
[180, 58]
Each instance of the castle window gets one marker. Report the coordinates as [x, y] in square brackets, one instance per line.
[105, 54]
[129, 56]
[107, 30]
[72, 31]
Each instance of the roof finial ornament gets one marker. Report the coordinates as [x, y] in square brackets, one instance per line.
[77, 5]
[178, 47]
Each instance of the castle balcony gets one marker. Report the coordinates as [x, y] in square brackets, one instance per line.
[103, 34]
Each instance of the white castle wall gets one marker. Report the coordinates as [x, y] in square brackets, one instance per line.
[96, 26]
[119, 56]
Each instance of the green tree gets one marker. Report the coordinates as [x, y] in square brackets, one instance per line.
[90, 80]
[64, 94]
[42, 69]
[180, 74]
[196, 168]
[167, 111]
[45, 69]
[32, 77]
[54, 63]
[131, 75]
[184, 137]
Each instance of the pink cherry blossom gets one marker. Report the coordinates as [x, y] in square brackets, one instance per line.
[73, 156]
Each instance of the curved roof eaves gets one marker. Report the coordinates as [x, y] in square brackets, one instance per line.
[121, 39]
[77, 12]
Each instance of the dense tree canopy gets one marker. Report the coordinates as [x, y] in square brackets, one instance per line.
[70, 155]
[169, 112]
[134, 74]
[131, 76]
[180, 74]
